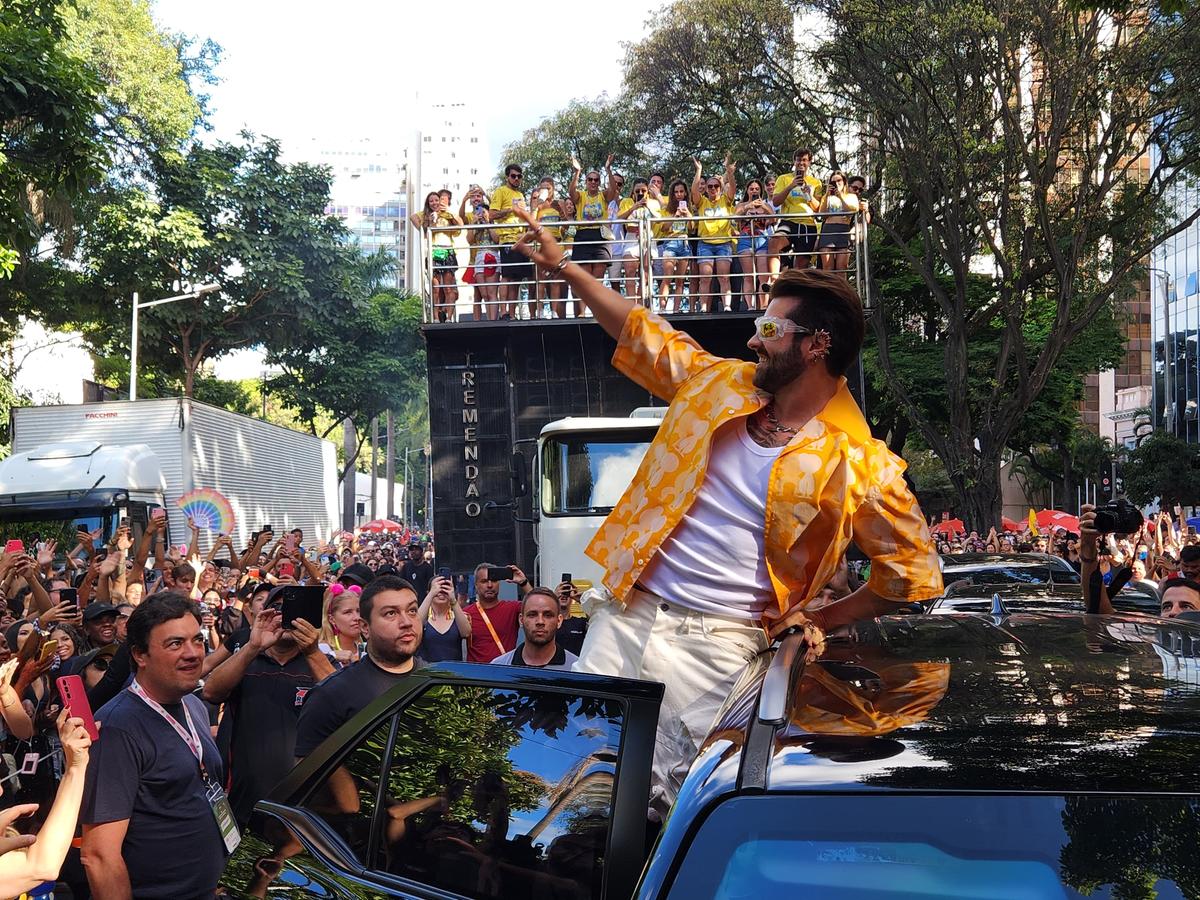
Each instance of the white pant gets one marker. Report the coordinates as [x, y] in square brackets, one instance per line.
[697, 657]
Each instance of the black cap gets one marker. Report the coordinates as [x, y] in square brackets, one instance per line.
[356, 574]
[96, 610]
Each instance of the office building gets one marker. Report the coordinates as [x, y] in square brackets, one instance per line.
[454, 149]
[1176, 317]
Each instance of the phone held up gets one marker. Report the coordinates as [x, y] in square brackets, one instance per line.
[74, 698]
[499, 573]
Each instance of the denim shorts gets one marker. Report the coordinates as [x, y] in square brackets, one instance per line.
[675, 247]
[760, 243]
[708, 250]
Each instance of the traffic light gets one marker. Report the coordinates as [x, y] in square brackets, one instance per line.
[1106, 487]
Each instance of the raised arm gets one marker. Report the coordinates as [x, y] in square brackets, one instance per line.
[573, 187]
[730, 178]
[610, 189]
[610, 308]
[697, 186]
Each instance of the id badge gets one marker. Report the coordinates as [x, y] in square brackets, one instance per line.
[223, 813]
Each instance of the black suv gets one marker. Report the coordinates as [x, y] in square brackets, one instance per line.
[1031, 755]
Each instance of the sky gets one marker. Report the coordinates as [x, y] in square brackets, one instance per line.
[300, 70]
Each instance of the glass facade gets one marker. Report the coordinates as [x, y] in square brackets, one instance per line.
[1176, 316]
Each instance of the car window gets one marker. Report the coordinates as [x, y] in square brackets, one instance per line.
[881, 847]
[345, 799]
[497, 793]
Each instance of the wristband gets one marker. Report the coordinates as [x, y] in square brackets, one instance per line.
[562, 264]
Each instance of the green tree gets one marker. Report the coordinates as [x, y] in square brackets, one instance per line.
[371, 364]
[236, 215]
[717, 75]
[1055, 190]
[587, 129]
[1163, 467]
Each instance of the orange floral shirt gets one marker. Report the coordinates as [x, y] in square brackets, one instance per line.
[831, 484]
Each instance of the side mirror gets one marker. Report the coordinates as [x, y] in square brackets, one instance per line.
[517, 475]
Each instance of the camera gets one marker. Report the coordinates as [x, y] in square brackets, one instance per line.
[1118, 517]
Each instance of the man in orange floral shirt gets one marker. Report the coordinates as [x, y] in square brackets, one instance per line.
[759, 478]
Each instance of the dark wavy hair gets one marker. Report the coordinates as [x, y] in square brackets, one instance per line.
[153, 611]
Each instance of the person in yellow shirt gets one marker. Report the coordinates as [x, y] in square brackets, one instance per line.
[591, 248]
[436, 214]
[760, 476]
[483, 272]
[637, 212]
[714, 202]
[515, 269]
[673, 250]
[797, 194]
[548, 209]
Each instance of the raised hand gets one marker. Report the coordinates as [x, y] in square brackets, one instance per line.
[729, 159]
[537, 243]
[74, 739]
[45, 556]
[123, 540]
[306, 635]
[608, 162]
[267, 627]
[197, 565]
[696, 163]
[575, 165]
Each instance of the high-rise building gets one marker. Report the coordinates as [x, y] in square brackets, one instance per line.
[369, 192]
[454, 149]
[1176, 318]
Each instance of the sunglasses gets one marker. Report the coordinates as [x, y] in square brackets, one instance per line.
[593, 178]
[516, 175]
[772, 328]
[713, 186]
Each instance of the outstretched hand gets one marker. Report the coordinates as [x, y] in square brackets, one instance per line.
[537, 243]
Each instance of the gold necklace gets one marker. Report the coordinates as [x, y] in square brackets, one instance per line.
[776, 426]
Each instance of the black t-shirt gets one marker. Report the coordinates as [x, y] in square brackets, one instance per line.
[262, 712]
[141, 770]
[419, 574]
[339, 698]
[571, 634]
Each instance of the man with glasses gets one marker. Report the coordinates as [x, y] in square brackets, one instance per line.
[515, 268]
[757, 481]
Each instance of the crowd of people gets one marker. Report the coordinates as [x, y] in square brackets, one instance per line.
[711, 247]
[1163, 552]
[202, 690]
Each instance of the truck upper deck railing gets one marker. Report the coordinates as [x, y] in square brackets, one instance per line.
[672, 264]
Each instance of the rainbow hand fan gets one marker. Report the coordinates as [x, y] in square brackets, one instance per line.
[209, 509]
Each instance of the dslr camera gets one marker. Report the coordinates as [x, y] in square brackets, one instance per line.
[1118, 517]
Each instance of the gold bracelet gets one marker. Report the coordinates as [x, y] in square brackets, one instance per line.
[562, 264]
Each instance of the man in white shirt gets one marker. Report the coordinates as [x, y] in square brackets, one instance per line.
[541, 617]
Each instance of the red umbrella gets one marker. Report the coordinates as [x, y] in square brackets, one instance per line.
[950, 526]
[1007, 524]
[382, 526]
[1054, 518]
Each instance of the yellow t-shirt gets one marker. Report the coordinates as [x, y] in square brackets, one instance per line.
[502, 199]
[653, 210]
[477, 237]
[548, 214]
[801, 198]
[712, 229]
[591, 206]
[669, 227]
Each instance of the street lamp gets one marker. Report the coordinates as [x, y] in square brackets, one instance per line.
[191, 294]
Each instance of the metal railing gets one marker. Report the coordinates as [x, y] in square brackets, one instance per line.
[669, 264]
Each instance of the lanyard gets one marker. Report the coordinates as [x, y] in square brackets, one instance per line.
[189, 737]
[490, 628]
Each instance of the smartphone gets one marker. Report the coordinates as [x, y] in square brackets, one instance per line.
[74, 698]
[286, 570]
[15, 546]
[69, 595]
[302, 602]
[158, 513]
[254, 572]
[500, 573]
[48, 649]
[290, 542]
[1191, 531]
[444, 572]
[566, 576]
[267, 528]
[683, 207]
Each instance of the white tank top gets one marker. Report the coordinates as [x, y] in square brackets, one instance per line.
[713, 561]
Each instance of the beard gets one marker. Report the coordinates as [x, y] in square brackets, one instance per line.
[773, 372]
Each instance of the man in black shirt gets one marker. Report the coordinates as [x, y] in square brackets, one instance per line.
[416, 570]
[388, 608]
[263, 686]
[149, 826]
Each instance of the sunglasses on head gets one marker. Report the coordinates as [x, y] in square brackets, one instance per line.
[771, 328]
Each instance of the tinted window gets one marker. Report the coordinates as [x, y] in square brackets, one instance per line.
[504, 794]
[346, 798]
[582, 475]
[914, 846]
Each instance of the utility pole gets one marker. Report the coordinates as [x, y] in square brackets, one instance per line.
[349, 439]
[390, 467]
[375, 467]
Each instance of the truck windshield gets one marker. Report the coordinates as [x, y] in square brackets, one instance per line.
[586, 474]
[944, 846]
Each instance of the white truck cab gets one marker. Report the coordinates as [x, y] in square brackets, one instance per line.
[583, 466]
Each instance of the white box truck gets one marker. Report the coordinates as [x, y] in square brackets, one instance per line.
[96, 463]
